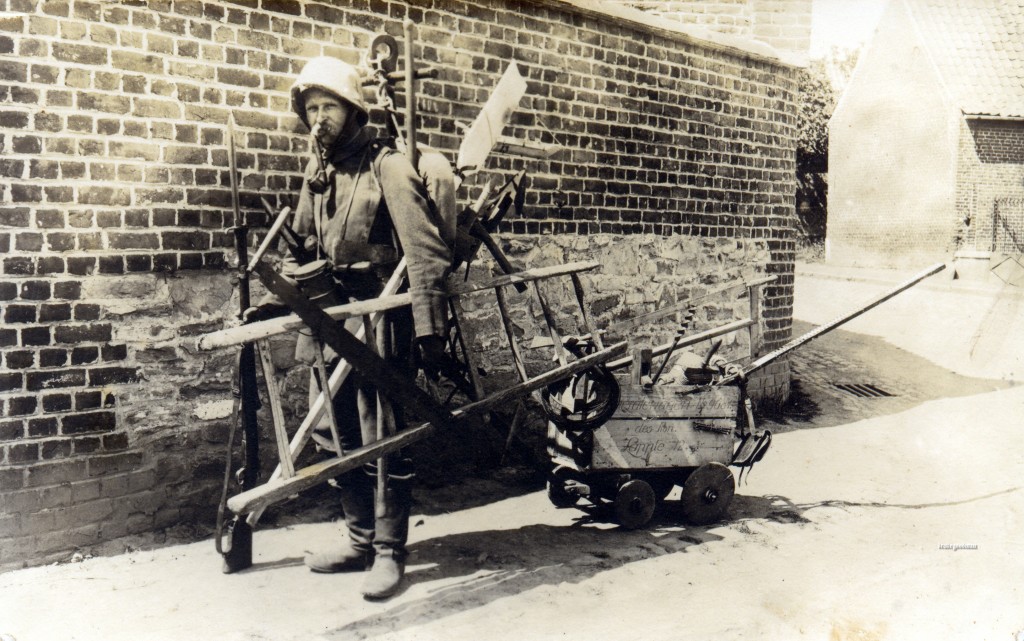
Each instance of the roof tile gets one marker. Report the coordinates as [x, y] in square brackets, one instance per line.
[978, 47]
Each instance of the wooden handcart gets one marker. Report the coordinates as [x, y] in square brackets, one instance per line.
[663, 436]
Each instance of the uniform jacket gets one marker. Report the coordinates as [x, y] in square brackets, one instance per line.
[376, 208]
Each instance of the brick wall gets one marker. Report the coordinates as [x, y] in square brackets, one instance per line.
[115, 203]
[783, 24]
[990, 168]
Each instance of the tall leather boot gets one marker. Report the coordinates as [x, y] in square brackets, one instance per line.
[388, 569]
[356, 554]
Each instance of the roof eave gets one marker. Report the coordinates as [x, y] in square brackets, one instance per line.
[986, 116]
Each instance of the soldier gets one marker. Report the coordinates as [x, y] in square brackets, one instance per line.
[361, 207]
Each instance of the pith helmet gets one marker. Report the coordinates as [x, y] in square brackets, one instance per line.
[333, 76]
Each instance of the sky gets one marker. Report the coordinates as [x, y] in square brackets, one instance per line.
[846, 24]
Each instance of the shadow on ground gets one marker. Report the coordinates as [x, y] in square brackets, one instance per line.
[847, 358]
[475, 568]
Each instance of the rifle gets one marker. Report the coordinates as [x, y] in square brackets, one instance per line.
[238, 554]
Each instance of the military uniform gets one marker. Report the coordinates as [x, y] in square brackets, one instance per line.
[366, 209]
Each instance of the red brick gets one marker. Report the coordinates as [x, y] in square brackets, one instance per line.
[21, 405]
[46, 426]
[10, 430]
[115, 104]
[111, 264]
[20, 359]
[36, 381]
[79, 333]
[87, 312]
[85, 513]
[85, 355]
[35, 336]
[94, 195]
[35, 289]
[81, 54]
[88, 422]
[50, 265]
[93, 400]
[11, 381]
[71, 290]
[81, 265]
[52, 357]
[54, 449]
[18, 453]
[10, 525]
[20, 314]
[134, 241]
[103, 376]
[56, 403]
[87, 444]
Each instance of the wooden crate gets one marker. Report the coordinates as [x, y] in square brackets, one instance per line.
[663, 427]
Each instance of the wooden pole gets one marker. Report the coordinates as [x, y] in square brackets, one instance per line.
[827, 327]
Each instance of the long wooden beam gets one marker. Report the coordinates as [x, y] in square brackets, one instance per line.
[829, 326]
[279, 489]
[267, 328]
[264, 329]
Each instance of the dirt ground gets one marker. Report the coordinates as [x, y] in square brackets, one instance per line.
[893, 517]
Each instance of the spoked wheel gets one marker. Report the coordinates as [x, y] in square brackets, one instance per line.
[634, 504]
[707, 493]
[583, 402]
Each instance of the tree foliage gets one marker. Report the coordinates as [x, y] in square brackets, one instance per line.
[820, 86]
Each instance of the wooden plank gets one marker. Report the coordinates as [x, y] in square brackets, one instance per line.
[472, 363]
[549, 321]
[324, 378]
[279, 489]
[641, 365]
[292, 322]
[677, 401]
[513, 344]
[276, 411]
[588, 323]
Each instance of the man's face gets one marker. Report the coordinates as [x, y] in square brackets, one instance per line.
[328, 112]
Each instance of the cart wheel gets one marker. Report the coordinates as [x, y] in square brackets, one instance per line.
[634, 504]
[559, 496]
[707, 493]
